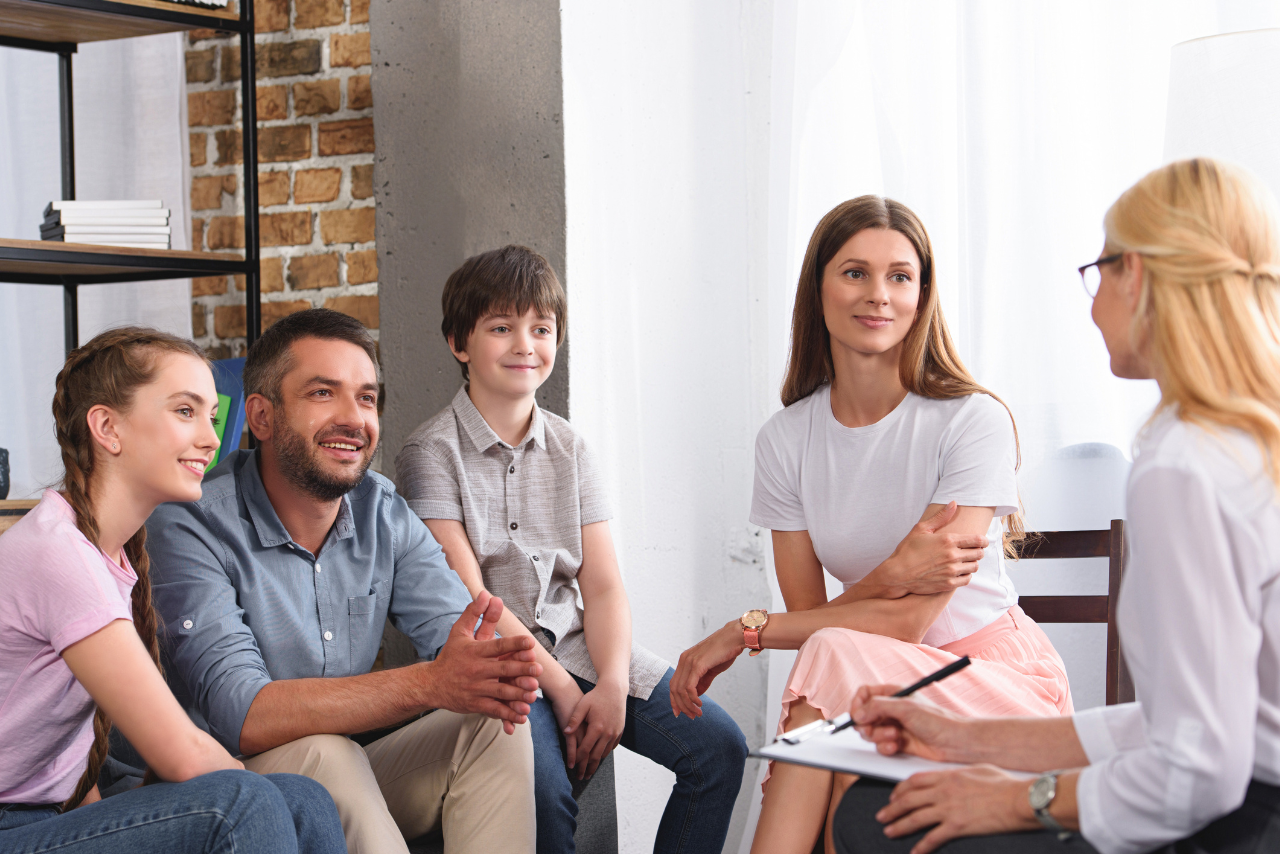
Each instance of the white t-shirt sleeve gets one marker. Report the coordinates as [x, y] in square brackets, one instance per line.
[979, 456]
[775, 498]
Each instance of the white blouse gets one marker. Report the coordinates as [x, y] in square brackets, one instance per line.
[1199, 618]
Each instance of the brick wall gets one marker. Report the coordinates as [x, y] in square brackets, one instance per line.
[315, 163]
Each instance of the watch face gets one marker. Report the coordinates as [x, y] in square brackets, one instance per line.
[755, 618]
[1042, 792]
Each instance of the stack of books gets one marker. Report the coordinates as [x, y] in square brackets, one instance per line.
[139, 224]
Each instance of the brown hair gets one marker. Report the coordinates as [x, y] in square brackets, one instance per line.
[269, 359]
[108, 372]
[513, 278]
[930, 365]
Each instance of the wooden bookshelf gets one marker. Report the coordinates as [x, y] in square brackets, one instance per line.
[40, 262]
[75, 21]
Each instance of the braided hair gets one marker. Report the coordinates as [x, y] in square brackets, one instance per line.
[108, 371]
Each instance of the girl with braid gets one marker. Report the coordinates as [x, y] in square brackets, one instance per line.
[133, 410]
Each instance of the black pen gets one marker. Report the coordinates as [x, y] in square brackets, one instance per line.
[954, 667]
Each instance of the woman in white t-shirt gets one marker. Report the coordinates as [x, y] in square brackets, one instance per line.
[892, 468]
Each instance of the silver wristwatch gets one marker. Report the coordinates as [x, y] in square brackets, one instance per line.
[1041, 795]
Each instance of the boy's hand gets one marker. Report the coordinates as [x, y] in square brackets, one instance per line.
[597, 723]
[563, 703]
[476, 672]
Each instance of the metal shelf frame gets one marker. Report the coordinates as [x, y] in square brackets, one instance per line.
[154, 265]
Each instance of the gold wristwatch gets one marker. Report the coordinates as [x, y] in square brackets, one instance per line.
[753, 623]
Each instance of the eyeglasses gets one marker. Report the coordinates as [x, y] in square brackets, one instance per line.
[1091, 274]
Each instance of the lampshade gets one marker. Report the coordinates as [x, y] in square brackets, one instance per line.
[1224, 102]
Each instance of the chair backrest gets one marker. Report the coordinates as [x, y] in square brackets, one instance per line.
[1108, 543]
[13, 510]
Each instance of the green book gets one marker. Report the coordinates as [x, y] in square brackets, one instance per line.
[220, 426]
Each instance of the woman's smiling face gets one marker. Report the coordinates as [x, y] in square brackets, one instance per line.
[870, 292]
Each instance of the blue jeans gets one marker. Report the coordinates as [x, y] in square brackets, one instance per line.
[227, 812]
[707, 756]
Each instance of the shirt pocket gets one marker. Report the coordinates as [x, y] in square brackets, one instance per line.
[364, 627]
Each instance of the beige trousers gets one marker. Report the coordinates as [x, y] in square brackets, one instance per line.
[461, 773]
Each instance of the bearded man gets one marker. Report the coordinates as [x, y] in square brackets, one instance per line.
[273, 590]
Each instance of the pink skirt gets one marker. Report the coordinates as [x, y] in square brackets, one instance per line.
[1015, 671]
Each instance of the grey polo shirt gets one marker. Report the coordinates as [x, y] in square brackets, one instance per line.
[240, 603]
[523, 508]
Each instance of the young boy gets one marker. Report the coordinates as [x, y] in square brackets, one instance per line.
[514, 497]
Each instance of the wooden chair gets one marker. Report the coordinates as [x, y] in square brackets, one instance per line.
[1040, 545]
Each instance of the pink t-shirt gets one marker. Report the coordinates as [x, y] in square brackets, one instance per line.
[57, 589]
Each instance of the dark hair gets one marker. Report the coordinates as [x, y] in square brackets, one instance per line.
[108, 371]
[269, 358]
[511, 279]
[930, 365]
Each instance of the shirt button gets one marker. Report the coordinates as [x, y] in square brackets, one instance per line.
[535, 557]
[328, 635]
[187, 624]
[511, 470]
[317, 567]
[514, 526]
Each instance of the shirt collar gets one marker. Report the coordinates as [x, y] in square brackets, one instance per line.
[482, 435]
[271, 531]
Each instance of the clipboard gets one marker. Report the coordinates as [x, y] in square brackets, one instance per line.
[847, 752]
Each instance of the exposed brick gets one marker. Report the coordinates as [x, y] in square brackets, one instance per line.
[286, 59]
[197, 235]
[318, 13]
[270, 16]
[315, 97]
[199, 145]
[349, 226]
[206, 193]
[362, 181]
[208, 286]
[228, 321]
[363, 309]
[352, 50]
[359, 11]
[229, 145]
[273, 311]
[272, 280]
[311, 272]
[226, 351]
[273, 103]
[198, 328]
[200, 35]
[362, 267]
[202, 65]
[350, 137]
[316, 185]
[211, 108]
[230, 63]
[229, 184]
[273, 188]
[226, 232]
[284, 142]
[359, 93]
[285, 229]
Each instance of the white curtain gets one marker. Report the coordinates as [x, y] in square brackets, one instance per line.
[704, 142]
[131, 143]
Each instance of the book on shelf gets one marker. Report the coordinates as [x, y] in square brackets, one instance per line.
[120, 222]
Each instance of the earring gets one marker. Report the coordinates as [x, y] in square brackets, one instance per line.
[113, 446]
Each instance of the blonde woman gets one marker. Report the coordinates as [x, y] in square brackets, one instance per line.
[1187, 296]
[891, 468]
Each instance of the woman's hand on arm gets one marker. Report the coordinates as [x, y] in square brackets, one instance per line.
[556, 683]
[938, 555]
[598, 720]
[700, 664]
[116, 670]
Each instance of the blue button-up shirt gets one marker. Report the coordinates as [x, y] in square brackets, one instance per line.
[241, 604]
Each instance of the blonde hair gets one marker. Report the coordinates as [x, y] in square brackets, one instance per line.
[1208, 311]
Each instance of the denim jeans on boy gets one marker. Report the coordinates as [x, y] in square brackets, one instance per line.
[225, 812]
[707, 756]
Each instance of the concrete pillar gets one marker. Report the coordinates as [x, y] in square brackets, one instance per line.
[470, 157]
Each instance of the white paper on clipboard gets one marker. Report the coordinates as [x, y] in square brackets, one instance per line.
[849, 753]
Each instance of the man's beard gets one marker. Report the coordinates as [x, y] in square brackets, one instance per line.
[300, 467]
